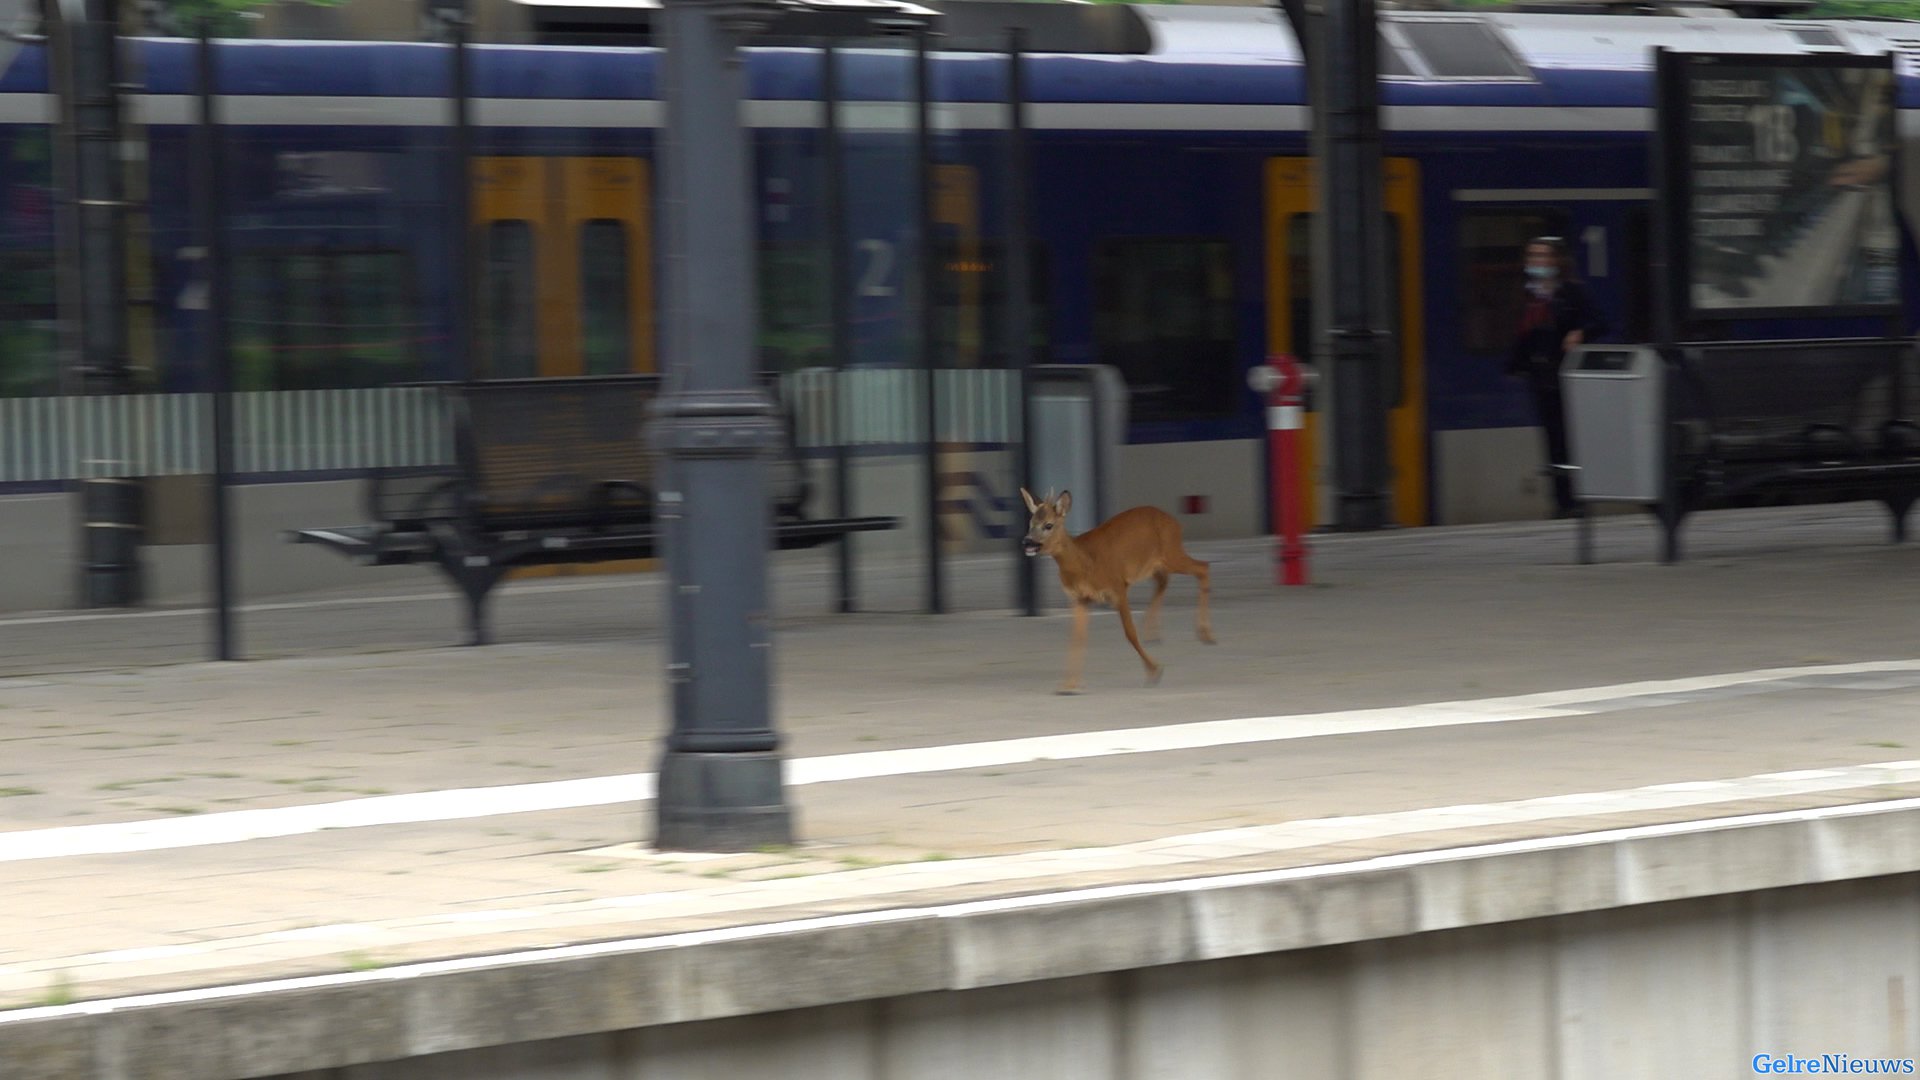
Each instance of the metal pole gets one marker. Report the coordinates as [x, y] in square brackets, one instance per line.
[720, 784]
[1668, 215]
[66, 206]
[1019, 289]
[1669, 303]
[924, 279]
[1356, 217]
[207, 198]
[840, 287]
[1350, 248]
[460, 270]
[90, 103]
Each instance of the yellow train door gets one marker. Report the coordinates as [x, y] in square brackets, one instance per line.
[1290, 208]
[566, 281]
[607, 242]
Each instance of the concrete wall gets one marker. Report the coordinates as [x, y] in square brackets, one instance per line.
[1227, 474]
[267, 564]
[40, 535]
[1491, 474]
[1690, 989]
[1663, 951]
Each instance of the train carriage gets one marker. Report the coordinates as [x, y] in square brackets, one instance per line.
[1170, 191]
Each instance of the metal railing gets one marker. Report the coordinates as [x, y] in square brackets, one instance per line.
[884, 406]
[288, 431]
[47, 439]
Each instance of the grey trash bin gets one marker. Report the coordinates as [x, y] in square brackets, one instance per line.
[1079, 424]
[1615, 399]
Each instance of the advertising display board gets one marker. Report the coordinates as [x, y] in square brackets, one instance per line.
[1779, 184]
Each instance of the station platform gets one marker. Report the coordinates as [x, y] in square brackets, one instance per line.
[365, 795]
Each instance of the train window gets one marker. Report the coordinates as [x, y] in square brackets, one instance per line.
[796, 326]
[606, 344]
[1300, 285]
[1456, 49]
[310, 320]
[970, 303]
[1164, 315]
[507, 340]
[1637, 291]
[257, 324]
[1816, 36]
[1492, 247]
[28, 363]
[324, 319]
[376, 339]
[1391, 62]
[1075, 28]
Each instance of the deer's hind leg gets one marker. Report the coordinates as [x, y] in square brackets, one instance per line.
[1152, 627]
[1126, 623]
[1187, 564]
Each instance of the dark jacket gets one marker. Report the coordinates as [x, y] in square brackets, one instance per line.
[1536, 351]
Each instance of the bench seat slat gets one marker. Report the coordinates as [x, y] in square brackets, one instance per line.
[368, 543]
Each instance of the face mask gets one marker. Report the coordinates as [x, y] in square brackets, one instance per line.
[1540, 273]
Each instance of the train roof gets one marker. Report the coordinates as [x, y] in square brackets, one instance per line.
[1437, 44]
[1173, 53]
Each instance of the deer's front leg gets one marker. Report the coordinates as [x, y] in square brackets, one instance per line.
[1126, 623]
[1076, 649]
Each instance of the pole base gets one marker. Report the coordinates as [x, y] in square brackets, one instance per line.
[1362, 513]
[110, 586]
[1293, 566]
[111, 512]
[721, 802]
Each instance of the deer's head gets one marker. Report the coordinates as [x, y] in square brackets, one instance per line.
[1046, 523]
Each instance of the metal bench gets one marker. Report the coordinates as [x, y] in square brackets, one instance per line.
[1795, 422]
[548, 471]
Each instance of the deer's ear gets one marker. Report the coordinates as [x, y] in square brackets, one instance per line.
[1028, 496]
[1064, 503]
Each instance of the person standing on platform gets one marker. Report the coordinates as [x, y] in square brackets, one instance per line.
[1559, 314]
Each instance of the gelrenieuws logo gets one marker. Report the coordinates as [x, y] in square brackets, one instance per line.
[1833, 1064]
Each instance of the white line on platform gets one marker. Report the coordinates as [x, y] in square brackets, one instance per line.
[232, 826]
[465, 803]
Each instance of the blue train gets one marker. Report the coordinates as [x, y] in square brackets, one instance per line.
[1170, 188]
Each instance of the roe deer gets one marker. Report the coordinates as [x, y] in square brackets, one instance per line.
[1099, 565]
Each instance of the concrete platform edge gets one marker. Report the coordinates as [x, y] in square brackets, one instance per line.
[294, 1025]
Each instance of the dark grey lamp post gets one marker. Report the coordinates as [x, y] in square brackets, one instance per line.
[720, 782]
[87, 77]
[1350, 246]
[721, 787]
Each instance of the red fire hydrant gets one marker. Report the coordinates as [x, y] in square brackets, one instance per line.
[1284, 382]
